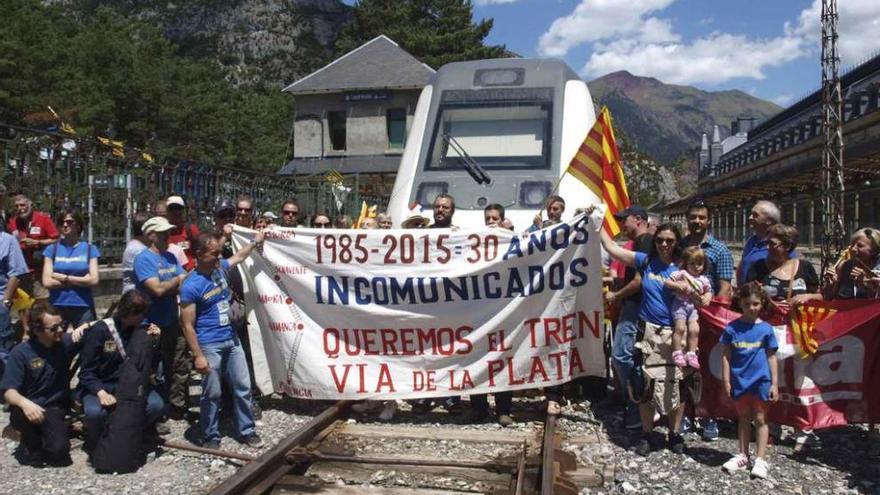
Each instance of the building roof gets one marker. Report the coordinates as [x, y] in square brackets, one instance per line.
[364, 164]
[377, 64]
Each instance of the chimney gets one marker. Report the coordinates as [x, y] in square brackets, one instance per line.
[703, 159]
[716, 150]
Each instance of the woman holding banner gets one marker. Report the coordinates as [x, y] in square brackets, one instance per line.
[655, 324]
[787, 281]
[859, 276]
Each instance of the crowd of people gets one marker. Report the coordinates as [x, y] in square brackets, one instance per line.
[181, 288]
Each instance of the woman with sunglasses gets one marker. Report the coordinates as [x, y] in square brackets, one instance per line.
[787, 281]
[655, 319]
[320, 221]
[70, 270]
[859, 276]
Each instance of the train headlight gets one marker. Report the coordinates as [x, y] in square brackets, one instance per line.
[533, 193]
[429, 190]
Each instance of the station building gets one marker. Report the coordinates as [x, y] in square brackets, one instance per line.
[352, 116]
[780, 160]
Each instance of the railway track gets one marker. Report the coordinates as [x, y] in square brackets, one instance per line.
[331, 455]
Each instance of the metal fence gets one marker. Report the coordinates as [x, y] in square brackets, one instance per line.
[111, 184]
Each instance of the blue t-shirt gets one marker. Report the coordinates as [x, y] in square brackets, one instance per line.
[656, 299]
[12, 262]
[74, 261]
[212, 296]
[749, 367]
[147, 265]
[40, 374]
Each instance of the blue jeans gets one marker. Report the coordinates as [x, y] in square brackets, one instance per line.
[96, 414]
[623, 347]
[226, 358]
[7, 338]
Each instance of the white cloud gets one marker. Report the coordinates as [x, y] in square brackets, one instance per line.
[594, 20]
[483, 3]
[636, 39]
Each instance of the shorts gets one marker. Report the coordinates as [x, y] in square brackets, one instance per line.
[683, 309]
[33, 286]
[749, 402]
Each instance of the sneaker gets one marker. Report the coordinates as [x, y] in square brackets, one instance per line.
[759, 470]
[253, 441]
[692, 360]
[678, 359]
[687, 426]
[505, 420]
[211, 444]
[643, 445]
[676, 443]
[710, 430]
[388, 410]
[257, 411]
[736, 463]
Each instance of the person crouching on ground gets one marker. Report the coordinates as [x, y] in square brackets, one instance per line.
[205, 299]
[104, 351]
[36, 386]
[749, 372]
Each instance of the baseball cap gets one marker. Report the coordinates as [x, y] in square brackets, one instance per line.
[634, 210]
[224, 206]
[156, 224]
[175, 200]
[269, 215]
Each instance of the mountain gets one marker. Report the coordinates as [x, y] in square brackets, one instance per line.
[274, 41]
[666, 121]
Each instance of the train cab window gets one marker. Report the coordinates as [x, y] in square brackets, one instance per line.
[395, 119]
[336, 128]
[496, 136]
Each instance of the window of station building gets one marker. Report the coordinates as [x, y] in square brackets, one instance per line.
[336, 128]
[395, 119]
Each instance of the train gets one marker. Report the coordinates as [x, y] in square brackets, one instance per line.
[495, 131]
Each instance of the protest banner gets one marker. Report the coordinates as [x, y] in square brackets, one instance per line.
[359, 314]
[836, 385]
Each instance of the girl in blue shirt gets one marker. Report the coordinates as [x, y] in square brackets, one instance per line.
[70, 270]
[655, 269]
[749, 372]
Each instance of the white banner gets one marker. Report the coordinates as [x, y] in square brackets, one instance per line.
[358, 314]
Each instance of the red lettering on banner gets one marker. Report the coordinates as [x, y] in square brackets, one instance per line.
[423, 380]
[562, 330]
[271, 298]
[289, 388]
[384, 379]
[466, 381]
[538, 370]
[496, 341]
[279, 234]
[292, 270]
[285, 326]
[538, 367]
[443, 341]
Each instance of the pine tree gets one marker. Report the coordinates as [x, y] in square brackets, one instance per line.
[436, 32]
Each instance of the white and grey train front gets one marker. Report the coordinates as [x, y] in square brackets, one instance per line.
[495, 131]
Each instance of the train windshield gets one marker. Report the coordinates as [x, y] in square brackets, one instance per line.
[495, 136]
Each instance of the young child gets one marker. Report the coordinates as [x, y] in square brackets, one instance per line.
[690, 285]
[748, 369]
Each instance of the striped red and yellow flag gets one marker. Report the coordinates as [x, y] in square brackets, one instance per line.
[597, 164]
[804, 319]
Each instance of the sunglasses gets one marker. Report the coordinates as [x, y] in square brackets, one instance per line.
[290, 212]
[68, 221]
[244, 210]
[774, 243]
[321, 225]
[663, 241]
[57, 328]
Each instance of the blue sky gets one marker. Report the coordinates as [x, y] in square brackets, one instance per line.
[768, 48]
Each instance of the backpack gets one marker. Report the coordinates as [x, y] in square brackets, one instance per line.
[119, 448]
